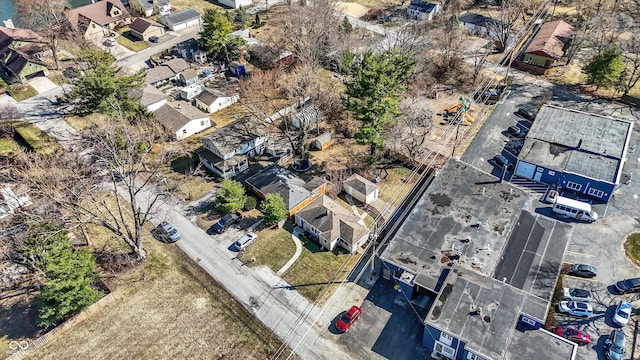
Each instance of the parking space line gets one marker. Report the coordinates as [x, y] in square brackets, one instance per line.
[580, 278]
[578, 254]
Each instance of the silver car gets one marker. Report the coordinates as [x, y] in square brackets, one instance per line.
[245, 241]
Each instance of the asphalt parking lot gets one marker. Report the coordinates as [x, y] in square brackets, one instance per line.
[599, 244]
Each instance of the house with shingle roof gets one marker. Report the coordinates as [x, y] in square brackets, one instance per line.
[165, 72]
[332, 224]
[225, 152]
[213, 100]
[181, 20]
[422, 10]
[361, 188]
[150, 97]
[295, 192]
[143, 29]
[549, 44]
[97, 20]
[21, 52]
[182, 120]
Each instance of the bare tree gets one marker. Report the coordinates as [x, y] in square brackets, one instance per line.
[409, 134]
[448, 43]
[500, 28]
[101, 187]
[630, 47]
[45, 17]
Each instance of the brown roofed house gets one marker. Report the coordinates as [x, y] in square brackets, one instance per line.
[95, 21]
[21, 52]
[549, 44]
[143, 29]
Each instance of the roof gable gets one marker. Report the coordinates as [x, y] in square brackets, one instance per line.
[332, 220]
[550, 39]
[141, 25]
[277, 180]
[175, 118]
[102, 12]
[236, 134]
[361, 184]
[180, 17]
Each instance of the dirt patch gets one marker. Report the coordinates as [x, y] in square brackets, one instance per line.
[351, 8]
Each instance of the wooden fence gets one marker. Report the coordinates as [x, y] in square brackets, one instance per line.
[94, 308]
[631, 100]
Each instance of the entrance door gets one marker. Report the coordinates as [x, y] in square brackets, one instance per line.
[538, 174]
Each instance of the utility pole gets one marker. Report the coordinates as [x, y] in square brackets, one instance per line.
[374, 238]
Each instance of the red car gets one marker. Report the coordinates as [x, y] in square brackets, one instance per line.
[577, 336]
[348, 318]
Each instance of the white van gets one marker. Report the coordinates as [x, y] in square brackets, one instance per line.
[574, 209]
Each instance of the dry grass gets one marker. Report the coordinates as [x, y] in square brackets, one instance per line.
[184, 314]
[393, 188]
[81, 123]
[343, 154]
[199, 5]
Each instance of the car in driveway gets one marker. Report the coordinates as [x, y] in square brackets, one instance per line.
[614, 345]
[622, 313]
[110, 41]
[575, 294]
[224, 222]
[500, 160]
[583, 270]
[167, 232]
[348, 318]
[579, 337]
[245, 241]
[526, 114]
[575, 308]
[627, 286]
[516, 132]
[154, 39]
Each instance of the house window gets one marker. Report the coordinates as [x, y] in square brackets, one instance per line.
[596, 192]
[202, 123]
[445, 350]
[184, 131]
[551, 173]
[574, 186]
[446, 338]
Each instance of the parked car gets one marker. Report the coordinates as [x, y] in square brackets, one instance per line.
[167, 232]
[623, 311]
[583, 270]
[224, 221]
[577, 336]
[526, 113]
[348, 318]
[245, 241]
[575, 308]
[628, 286]
[500, 160]
[154, 39]
[614, 345]
[110, 41]
[575, 294]
[516, 132]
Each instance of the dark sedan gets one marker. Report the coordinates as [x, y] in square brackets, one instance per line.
[582, 270]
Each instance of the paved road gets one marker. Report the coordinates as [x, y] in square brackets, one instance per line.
[174, 38]
[257, 289]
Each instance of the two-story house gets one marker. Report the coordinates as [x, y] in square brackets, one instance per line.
[21, 52]
[226, 151]
[97, 20]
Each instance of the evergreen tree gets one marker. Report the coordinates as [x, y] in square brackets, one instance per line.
[373, 87]
[230, 197]
[606, 69]
[273, 209]
[346, 25]
[216, 38]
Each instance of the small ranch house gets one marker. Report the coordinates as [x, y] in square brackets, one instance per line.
[188, 77]
[422, 10]
[226, 151]
[549, 44]
[150, 97]
[182, 120]
[479, 24]
[295, 192]
[143, 29]
[332, 224]
[181, 20]
[211, 101]
[361, 188]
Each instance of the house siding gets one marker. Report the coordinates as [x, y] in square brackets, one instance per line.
[151, 31]
[219, 104]
[539, 60]
[193, 127]
[95, 31]
[235, 4]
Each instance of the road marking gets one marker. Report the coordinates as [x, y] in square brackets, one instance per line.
[580, 278]
[578, 254]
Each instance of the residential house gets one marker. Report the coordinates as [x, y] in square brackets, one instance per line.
[295, 192]
[188, 77]
[332, 224]
[160, 75]
[150, 97]
[11, 201]
[422, 10]
[143, 29]
[226, 150]
[549, 44]
[177, 65]
[212, 100]
[200, 57]
[182, 120]
[181, 20]
[97, 20]
[21, 53]
[247, 36]
[151, 7]
[235, 4]
[360, 188]
[479, 24]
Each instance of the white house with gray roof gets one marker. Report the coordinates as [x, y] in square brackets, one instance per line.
[360, 188]
[181, 20]
[182, 119]
[235, 4]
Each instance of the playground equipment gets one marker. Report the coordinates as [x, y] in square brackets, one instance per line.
[463, 107]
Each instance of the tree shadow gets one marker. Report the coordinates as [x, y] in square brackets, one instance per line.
[19, 315]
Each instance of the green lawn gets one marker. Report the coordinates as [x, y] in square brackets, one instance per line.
[7, 146]
[22, 92]
[632, 247]
[316, 268]
[130, 42]
[273, 248]
[36, 138]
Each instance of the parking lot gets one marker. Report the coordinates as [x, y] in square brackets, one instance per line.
[598, 244]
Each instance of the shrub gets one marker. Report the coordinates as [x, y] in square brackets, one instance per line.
[250, 203]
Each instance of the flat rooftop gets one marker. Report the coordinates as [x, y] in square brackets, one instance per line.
[465, 218]
[577, 142]
[483, 312]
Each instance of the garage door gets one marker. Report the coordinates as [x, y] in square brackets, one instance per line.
[180, 26]
[525, 170]
[193, 22]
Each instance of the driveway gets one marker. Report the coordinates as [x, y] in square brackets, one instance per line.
[42, 84]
